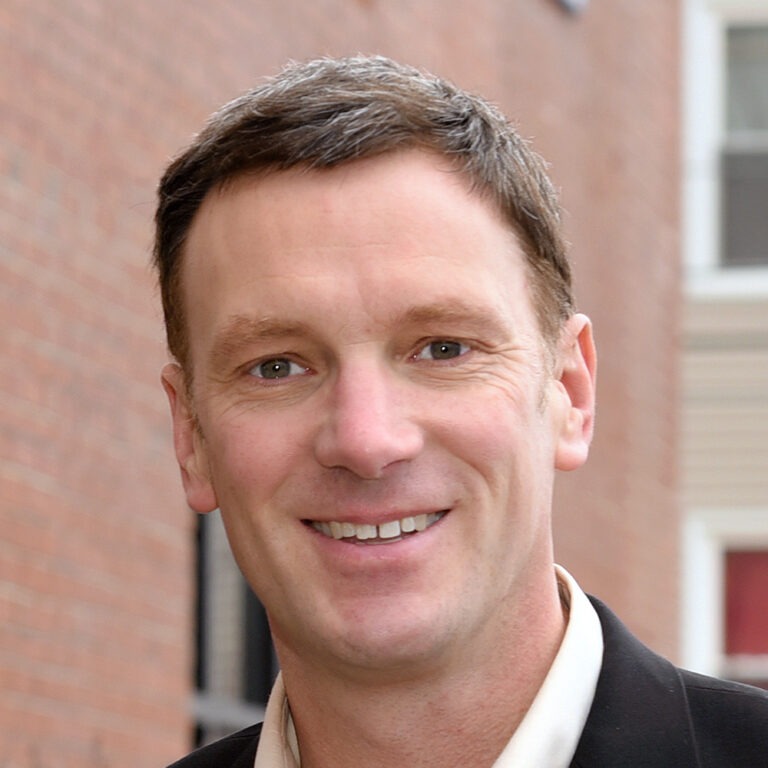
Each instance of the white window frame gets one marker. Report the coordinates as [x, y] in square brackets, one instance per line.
[704, 26]
[707, 536]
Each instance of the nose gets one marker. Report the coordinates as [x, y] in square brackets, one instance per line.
[367, 427]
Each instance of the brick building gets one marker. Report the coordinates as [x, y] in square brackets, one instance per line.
[98, 552]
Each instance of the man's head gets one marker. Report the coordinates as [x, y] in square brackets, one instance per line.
[372, 394]
[333, 111]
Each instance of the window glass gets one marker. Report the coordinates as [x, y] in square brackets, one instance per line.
[746, 616]
[745, 207]
[236, 663]
[746, 579]
[747, 78]
[744, 160]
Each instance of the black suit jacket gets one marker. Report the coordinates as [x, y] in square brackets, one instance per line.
[646, 713]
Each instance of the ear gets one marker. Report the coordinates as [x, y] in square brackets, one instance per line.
[577, 368]
[188, 442]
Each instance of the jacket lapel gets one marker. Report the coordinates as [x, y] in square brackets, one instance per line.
[639, 716]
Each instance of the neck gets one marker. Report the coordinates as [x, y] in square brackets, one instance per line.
[459, 712]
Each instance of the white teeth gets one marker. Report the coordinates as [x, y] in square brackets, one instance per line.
[364, 532]
[408, 525]
[389, 530]
[336, 531]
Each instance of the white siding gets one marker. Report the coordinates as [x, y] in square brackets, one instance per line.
[725, 404]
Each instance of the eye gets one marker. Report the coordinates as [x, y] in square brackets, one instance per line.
[442, 349]
[277, 368]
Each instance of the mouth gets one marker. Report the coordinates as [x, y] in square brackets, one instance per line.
[384, 533]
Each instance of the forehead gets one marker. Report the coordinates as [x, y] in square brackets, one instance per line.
[390, 232]
[421, 183]
[388, 198]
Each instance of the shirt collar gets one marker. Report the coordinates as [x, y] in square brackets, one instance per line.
[550, 730]
[278, 746]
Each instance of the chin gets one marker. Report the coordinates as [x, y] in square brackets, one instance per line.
[398, 644]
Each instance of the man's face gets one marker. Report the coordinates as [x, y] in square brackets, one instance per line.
[373, 409]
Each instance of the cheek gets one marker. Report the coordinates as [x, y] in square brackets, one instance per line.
[493, 430]
[508, 450]
[253, 458]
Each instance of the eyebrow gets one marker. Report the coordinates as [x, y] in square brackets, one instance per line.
[456, 312]
[241, 330]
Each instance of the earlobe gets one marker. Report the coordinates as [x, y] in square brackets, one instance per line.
[188, 442]
[577, 376]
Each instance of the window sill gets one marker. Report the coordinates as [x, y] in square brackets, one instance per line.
[734, 282]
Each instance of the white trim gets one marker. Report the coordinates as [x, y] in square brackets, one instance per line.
[707, 535]
[702, 80]
[731, 283]
[704, 22]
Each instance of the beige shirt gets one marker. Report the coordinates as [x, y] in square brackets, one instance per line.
[550, 730]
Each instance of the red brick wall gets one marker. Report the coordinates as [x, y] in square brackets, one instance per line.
[95, 548]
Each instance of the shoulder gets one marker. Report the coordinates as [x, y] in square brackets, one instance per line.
[706, 692]
[726, 714]
[648, 712]
[238, 750]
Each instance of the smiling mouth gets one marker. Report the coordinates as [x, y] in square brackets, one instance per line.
[389, 532]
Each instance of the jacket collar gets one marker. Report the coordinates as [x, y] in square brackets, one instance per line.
[639, 716]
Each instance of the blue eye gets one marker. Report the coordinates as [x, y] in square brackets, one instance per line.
[443, 349]
[277, 368]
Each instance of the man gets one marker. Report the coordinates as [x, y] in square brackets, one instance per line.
[378, 369]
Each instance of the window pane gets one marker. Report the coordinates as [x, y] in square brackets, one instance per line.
[745, 208]
[260, 662]
[747, 78]
[235, 662]
[746, 602]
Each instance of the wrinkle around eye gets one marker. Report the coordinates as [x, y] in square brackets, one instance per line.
[504, 366]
